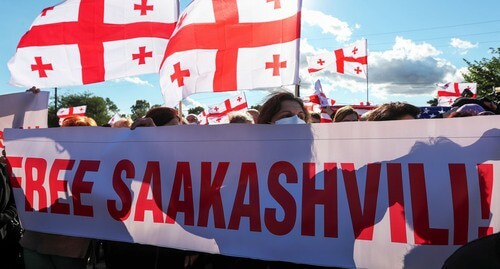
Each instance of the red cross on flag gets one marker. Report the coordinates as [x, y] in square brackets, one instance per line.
[218, 114]
[86, 41]
[229, 45]
[351, 60]
[448, 92]
[65, 112]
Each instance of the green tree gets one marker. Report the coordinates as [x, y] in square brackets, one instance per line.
[98, 108]
[486, 73]
[195, 110]
[258, 107]
[111, 106]
[433, 102]
[139, 109]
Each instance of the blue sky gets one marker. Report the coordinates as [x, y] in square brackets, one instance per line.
[411, 46]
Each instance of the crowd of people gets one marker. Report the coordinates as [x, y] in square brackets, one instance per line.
[40, 250]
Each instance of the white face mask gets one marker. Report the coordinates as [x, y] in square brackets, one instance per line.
[290, 120]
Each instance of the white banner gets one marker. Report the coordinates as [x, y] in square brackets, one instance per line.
[23, 110]
[362, 194]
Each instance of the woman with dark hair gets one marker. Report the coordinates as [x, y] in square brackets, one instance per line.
[283, 108]
[394, 111]
[158, 116]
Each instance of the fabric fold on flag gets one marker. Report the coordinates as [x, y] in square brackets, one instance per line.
[259, 48]
[318, 102]
[124, 38]
[351, 60]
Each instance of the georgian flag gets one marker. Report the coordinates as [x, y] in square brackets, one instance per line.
[114, 119]
[65, 112]
[319, 97]
[202, 118]
[219, 114]
[448, 92]
[318, 101]
[229, 45]
[86, 41]
[351, 60]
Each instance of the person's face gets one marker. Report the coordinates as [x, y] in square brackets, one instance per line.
[351, 117]
[289, 108]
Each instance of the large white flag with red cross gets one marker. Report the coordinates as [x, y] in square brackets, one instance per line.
[228, 45]
[351, 60]
[85, 41]
[448, 92]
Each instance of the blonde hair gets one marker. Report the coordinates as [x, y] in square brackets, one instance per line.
[344, 112]
[78, 121]
[122, 123]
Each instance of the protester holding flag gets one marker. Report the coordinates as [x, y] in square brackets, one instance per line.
[283, 108]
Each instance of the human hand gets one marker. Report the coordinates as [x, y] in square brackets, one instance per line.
[33, 89]
[142, 122]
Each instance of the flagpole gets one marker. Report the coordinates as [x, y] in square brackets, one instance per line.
[55, 98]
[180, 111]
[366, 49]
[297, 90]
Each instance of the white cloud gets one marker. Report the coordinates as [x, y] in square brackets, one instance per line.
[405, 49]
[327, 23]
[134, 80]
[462, 45]
[189, 102]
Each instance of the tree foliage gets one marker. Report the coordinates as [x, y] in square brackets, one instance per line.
[98, 108]
[486, 73]
[258, 107]
[195, 110]
[140, 109]
[433, 102]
